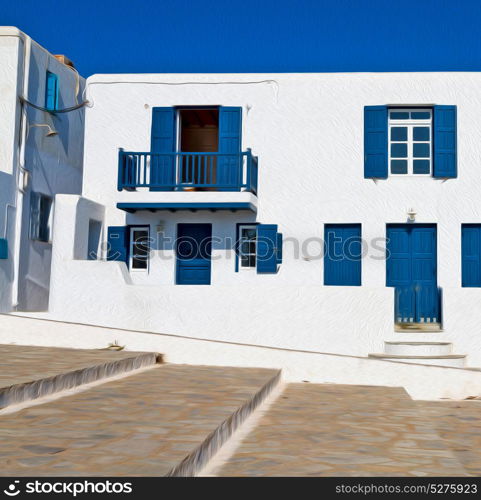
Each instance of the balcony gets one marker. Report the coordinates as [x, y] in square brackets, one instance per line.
[187, 171]
[176, 181]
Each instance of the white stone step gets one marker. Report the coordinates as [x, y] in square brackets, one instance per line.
[418, 348]
[418, 327]
[452, 360]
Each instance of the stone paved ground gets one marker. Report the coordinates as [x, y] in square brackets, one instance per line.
[25, 363]
[143, 424]
[458, 424]
[336, 430]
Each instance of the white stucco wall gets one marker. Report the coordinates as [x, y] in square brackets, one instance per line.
[307, 130]
[54, 163]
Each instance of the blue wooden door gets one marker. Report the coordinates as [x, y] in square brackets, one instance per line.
[193, 252]
[342, 254]
[411, 267]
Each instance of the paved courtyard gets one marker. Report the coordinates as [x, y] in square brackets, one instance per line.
[22, 364]
[147, 422]
[144, 424]
[336, 430]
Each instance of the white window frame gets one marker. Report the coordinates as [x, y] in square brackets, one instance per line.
[132, 229]
[410, 124]
[240, 266]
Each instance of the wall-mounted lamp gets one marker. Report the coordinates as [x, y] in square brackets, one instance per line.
[160, 226]
[50, 130]
[411, 214]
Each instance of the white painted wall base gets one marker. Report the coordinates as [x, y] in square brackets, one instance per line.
[421, 382]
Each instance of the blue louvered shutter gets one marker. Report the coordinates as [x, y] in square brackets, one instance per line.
[471, 255]
[279, 248]
[51, 91]
[118, 243]
[163, 140]
[444, 144]
[266, 249]
[229, 162]
[375, 142]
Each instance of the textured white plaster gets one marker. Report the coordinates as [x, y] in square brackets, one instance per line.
[421, 382]
[307, 130]
[54, 163]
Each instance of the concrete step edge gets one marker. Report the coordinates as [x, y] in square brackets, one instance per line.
[415, 342]
[27, 391]
[410, 356]
[199, 457]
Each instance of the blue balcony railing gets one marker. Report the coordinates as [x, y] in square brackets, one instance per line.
[184, 171]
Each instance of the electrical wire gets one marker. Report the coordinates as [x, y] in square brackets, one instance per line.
[54, 111]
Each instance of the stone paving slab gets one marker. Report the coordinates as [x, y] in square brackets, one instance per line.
[144, 424]
[21, 364]
[458, 424]
[337, 430]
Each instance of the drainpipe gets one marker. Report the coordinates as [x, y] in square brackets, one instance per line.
[20, 170]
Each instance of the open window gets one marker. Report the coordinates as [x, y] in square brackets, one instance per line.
[198, 133]
[40, 217]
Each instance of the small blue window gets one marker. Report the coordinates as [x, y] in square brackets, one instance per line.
[51, 92]
[399, 134]
[399, 150]
[420, 115]
[421, 167]
[421, 133]
[399, 115]
[399, 166]
[420, 150]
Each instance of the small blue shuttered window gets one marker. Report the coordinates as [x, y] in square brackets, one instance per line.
[471, 255]
[376, 142]
[342, 254]
[268, 249]
[51, 91]
[3, 248]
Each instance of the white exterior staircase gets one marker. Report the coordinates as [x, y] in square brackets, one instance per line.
[425, 353]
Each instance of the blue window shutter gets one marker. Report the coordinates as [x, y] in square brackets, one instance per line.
[279, 248]
[471, 255]
[163, 140]
[375, 142]
[230, 132]
[118, 243]
[444, 144]
[267, 253]
[342, 255]
[51, 91]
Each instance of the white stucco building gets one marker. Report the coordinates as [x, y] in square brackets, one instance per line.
[41, 149]
[232, 164]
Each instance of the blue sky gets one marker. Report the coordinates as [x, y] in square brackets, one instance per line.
[166, 36]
